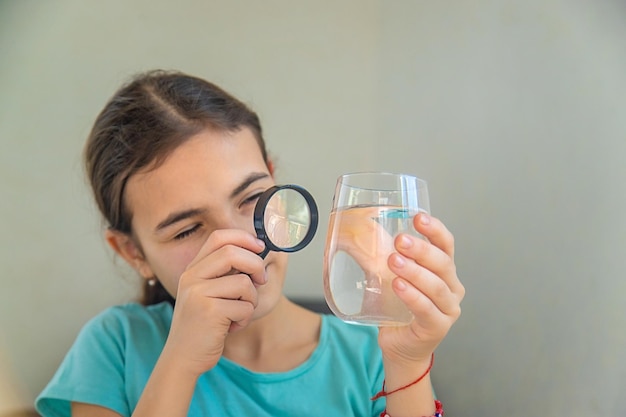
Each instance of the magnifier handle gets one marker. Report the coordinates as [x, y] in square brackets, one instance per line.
[264, 253]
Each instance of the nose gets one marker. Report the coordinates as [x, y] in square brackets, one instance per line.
[241, 222]
[229, 220]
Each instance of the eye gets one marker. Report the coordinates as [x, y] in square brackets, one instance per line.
[187, 233]
[252, 199]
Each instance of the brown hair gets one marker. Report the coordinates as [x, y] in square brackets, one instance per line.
[144, 121]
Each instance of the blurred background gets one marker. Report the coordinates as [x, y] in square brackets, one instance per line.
[514, 111]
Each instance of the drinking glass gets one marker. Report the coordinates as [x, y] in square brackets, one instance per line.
[369, 210]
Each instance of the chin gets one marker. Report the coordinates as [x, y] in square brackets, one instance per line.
[269, 297]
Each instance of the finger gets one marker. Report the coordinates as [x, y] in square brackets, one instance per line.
[426, 313]
[435, 231]
[426, 283]
[234, 287]
[223, 237]
[237, 287]
[228, 260]
[237, 325]
[234, 314]
[430, 257]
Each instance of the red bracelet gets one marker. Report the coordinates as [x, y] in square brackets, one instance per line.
[438, 410]
[383, 393]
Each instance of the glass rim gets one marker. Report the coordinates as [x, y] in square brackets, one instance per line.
[341, 179]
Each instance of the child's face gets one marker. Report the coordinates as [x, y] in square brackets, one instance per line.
[216, 177]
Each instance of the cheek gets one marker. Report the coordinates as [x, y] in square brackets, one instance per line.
[278, 264]
[186, 254]
[169, 265]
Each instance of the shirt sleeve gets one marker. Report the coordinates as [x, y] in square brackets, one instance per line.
[92, 371]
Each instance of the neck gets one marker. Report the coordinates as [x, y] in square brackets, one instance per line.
[276, 342]
[263, 330]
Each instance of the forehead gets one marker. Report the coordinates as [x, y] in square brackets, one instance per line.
[205, 168]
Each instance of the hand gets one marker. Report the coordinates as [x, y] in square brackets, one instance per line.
[428, 284]
[216, 295]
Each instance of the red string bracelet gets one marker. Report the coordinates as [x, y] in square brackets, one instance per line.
[383, 393]
[438, 410]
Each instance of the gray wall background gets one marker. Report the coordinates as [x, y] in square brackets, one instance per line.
[514, 111]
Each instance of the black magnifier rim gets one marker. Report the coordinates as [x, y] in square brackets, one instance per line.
[259, 218]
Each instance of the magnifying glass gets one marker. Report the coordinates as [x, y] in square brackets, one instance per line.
[285, 218]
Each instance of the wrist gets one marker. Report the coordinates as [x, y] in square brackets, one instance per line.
[179, 365]
[423, 376]
[169, 389]
[409, 391]
[400, 372]
[437, 413]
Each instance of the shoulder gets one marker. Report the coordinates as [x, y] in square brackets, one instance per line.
[120, 341]
[128, 320]
[133, 313]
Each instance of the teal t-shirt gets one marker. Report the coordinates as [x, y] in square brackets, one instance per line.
[114, 354]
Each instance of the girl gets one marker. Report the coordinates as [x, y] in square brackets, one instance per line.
[176, 165]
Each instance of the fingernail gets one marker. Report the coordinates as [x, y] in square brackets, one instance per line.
[398, 261]
[404, 242]
[260, 242]
[425, 219]
[401, 285]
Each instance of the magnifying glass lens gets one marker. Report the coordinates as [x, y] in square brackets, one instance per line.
[287, 218]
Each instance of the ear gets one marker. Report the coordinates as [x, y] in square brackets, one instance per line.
[270, 167]
[126, 247]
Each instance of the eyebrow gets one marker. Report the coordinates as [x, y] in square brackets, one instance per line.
[185, 214]
[255, 176]
[178, 216]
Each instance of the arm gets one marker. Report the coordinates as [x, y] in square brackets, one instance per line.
[213, 299]
[167, 393]
[90, 410]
